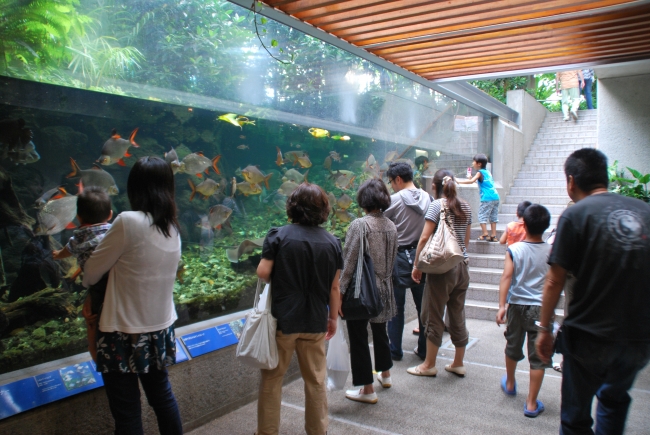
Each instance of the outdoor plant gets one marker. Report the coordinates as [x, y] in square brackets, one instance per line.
[634, 188]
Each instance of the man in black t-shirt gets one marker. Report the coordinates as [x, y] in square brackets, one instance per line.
[604, 240]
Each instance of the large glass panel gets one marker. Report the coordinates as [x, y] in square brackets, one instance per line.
[190, 78]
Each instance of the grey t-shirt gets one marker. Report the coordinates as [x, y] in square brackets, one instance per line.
[530, 262]
[407, 209]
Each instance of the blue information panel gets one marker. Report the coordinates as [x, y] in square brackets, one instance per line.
[181, 356]
[208, 340]
[48, 387]
[45, 388]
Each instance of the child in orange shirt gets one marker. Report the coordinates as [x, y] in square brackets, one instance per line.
[515, 231]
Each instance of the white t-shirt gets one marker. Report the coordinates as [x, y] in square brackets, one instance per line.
[142, 264]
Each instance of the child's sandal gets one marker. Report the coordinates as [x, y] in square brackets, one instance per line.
[484, 238]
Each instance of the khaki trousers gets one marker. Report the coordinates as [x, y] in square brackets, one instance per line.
[313, 368]
[448, 289]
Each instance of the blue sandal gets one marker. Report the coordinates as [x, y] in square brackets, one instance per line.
[512, 392]
[535, 413]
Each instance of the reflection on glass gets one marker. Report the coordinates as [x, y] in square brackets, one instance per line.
[191, 83]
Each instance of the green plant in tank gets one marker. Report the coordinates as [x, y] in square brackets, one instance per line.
[37, 31]
[633, 188]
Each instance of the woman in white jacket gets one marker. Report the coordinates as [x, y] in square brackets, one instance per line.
[136, 333]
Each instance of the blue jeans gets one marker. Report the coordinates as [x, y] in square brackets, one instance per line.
[124, 400]
[396, 324]
[587, 91]
[593, 367]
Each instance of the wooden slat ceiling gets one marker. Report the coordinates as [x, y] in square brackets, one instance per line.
[478, 38]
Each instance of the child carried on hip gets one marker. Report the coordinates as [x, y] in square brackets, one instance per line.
[93, 213]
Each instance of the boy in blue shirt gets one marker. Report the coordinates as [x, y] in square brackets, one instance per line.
[489, 208]
[521, 285]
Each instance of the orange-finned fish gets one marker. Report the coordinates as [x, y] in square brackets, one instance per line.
[279, 160]
[206, 188]
[303, 161]
[253, 175]
[94, 177]
[116, 148]
[196, 163]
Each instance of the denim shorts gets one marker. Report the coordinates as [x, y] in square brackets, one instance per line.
[488, 211]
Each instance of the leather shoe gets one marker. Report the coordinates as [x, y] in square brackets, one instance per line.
[358, 396]
[432, 372]
[458, 371]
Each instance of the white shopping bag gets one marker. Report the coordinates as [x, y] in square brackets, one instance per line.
[257, 346]
[338, 360]
[261, 305]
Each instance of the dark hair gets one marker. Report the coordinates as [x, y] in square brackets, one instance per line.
[521, 208]
[481, 159]
[448, 191]
[373, 195]
[588, 167]
[400, 169]
[537, 219]
[93, 205]
[308, 205]
[420, 160]
[151, 189]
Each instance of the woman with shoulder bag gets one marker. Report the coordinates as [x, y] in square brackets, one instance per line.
[303, 263]
[447, 289]
[135, 340]
[381, 236]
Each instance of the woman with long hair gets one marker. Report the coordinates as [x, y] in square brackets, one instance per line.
[374, 199]
[135, 340]
[447, 289]
[303, 263]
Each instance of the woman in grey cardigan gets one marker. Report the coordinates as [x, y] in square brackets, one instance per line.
[381, 233]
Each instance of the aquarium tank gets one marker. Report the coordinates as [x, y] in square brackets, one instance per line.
[243, 108]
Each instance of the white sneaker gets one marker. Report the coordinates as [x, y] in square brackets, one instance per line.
[566, 118]
[358, 396]
[574, 114]
[385, 382]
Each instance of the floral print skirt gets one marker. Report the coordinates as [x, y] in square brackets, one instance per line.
[135, 353]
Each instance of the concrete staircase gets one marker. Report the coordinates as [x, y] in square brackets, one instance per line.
[541, 180]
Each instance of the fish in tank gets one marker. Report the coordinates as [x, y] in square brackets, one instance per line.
[227, 200]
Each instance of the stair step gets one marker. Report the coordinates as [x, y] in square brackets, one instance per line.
[551, 175]
[542, 167]
[489, 293]
[538, 199]
[493, 261]
[553, 209]
[538, 191]
[533, 159]
[548, 145]
[532, 182]
[476, 247]
[511, 217]
[484, 275]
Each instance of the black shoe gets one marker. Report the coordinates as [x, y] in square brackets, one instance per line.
[395, 358]
[415, 351]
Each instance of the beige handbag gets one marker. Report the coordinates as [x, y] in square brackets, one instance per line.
[442, 251]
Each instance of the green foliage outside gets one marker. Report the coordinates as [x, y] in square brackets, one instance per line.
[636, 187]
[542, 88]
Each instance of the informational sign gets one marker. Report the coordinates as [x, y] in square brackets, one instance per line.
[208, 340]
[26, 394]
[29, 393]
[466, 123]
[181, 356]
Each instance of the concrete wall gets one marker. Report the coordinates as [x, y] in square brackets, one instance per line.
[624, 121]
[512, 142]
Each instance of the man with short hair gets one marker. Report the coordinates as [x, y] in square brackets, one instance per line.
[604, 240]
[407, 209]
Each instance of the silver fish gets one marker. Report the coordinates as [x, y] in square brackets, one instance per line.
[116, 148]
[94, 177]
[56, 215]
[218, 215]
[44, 198]
[295, 176]
[172, 158]
[196, 163]
[287, 188]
